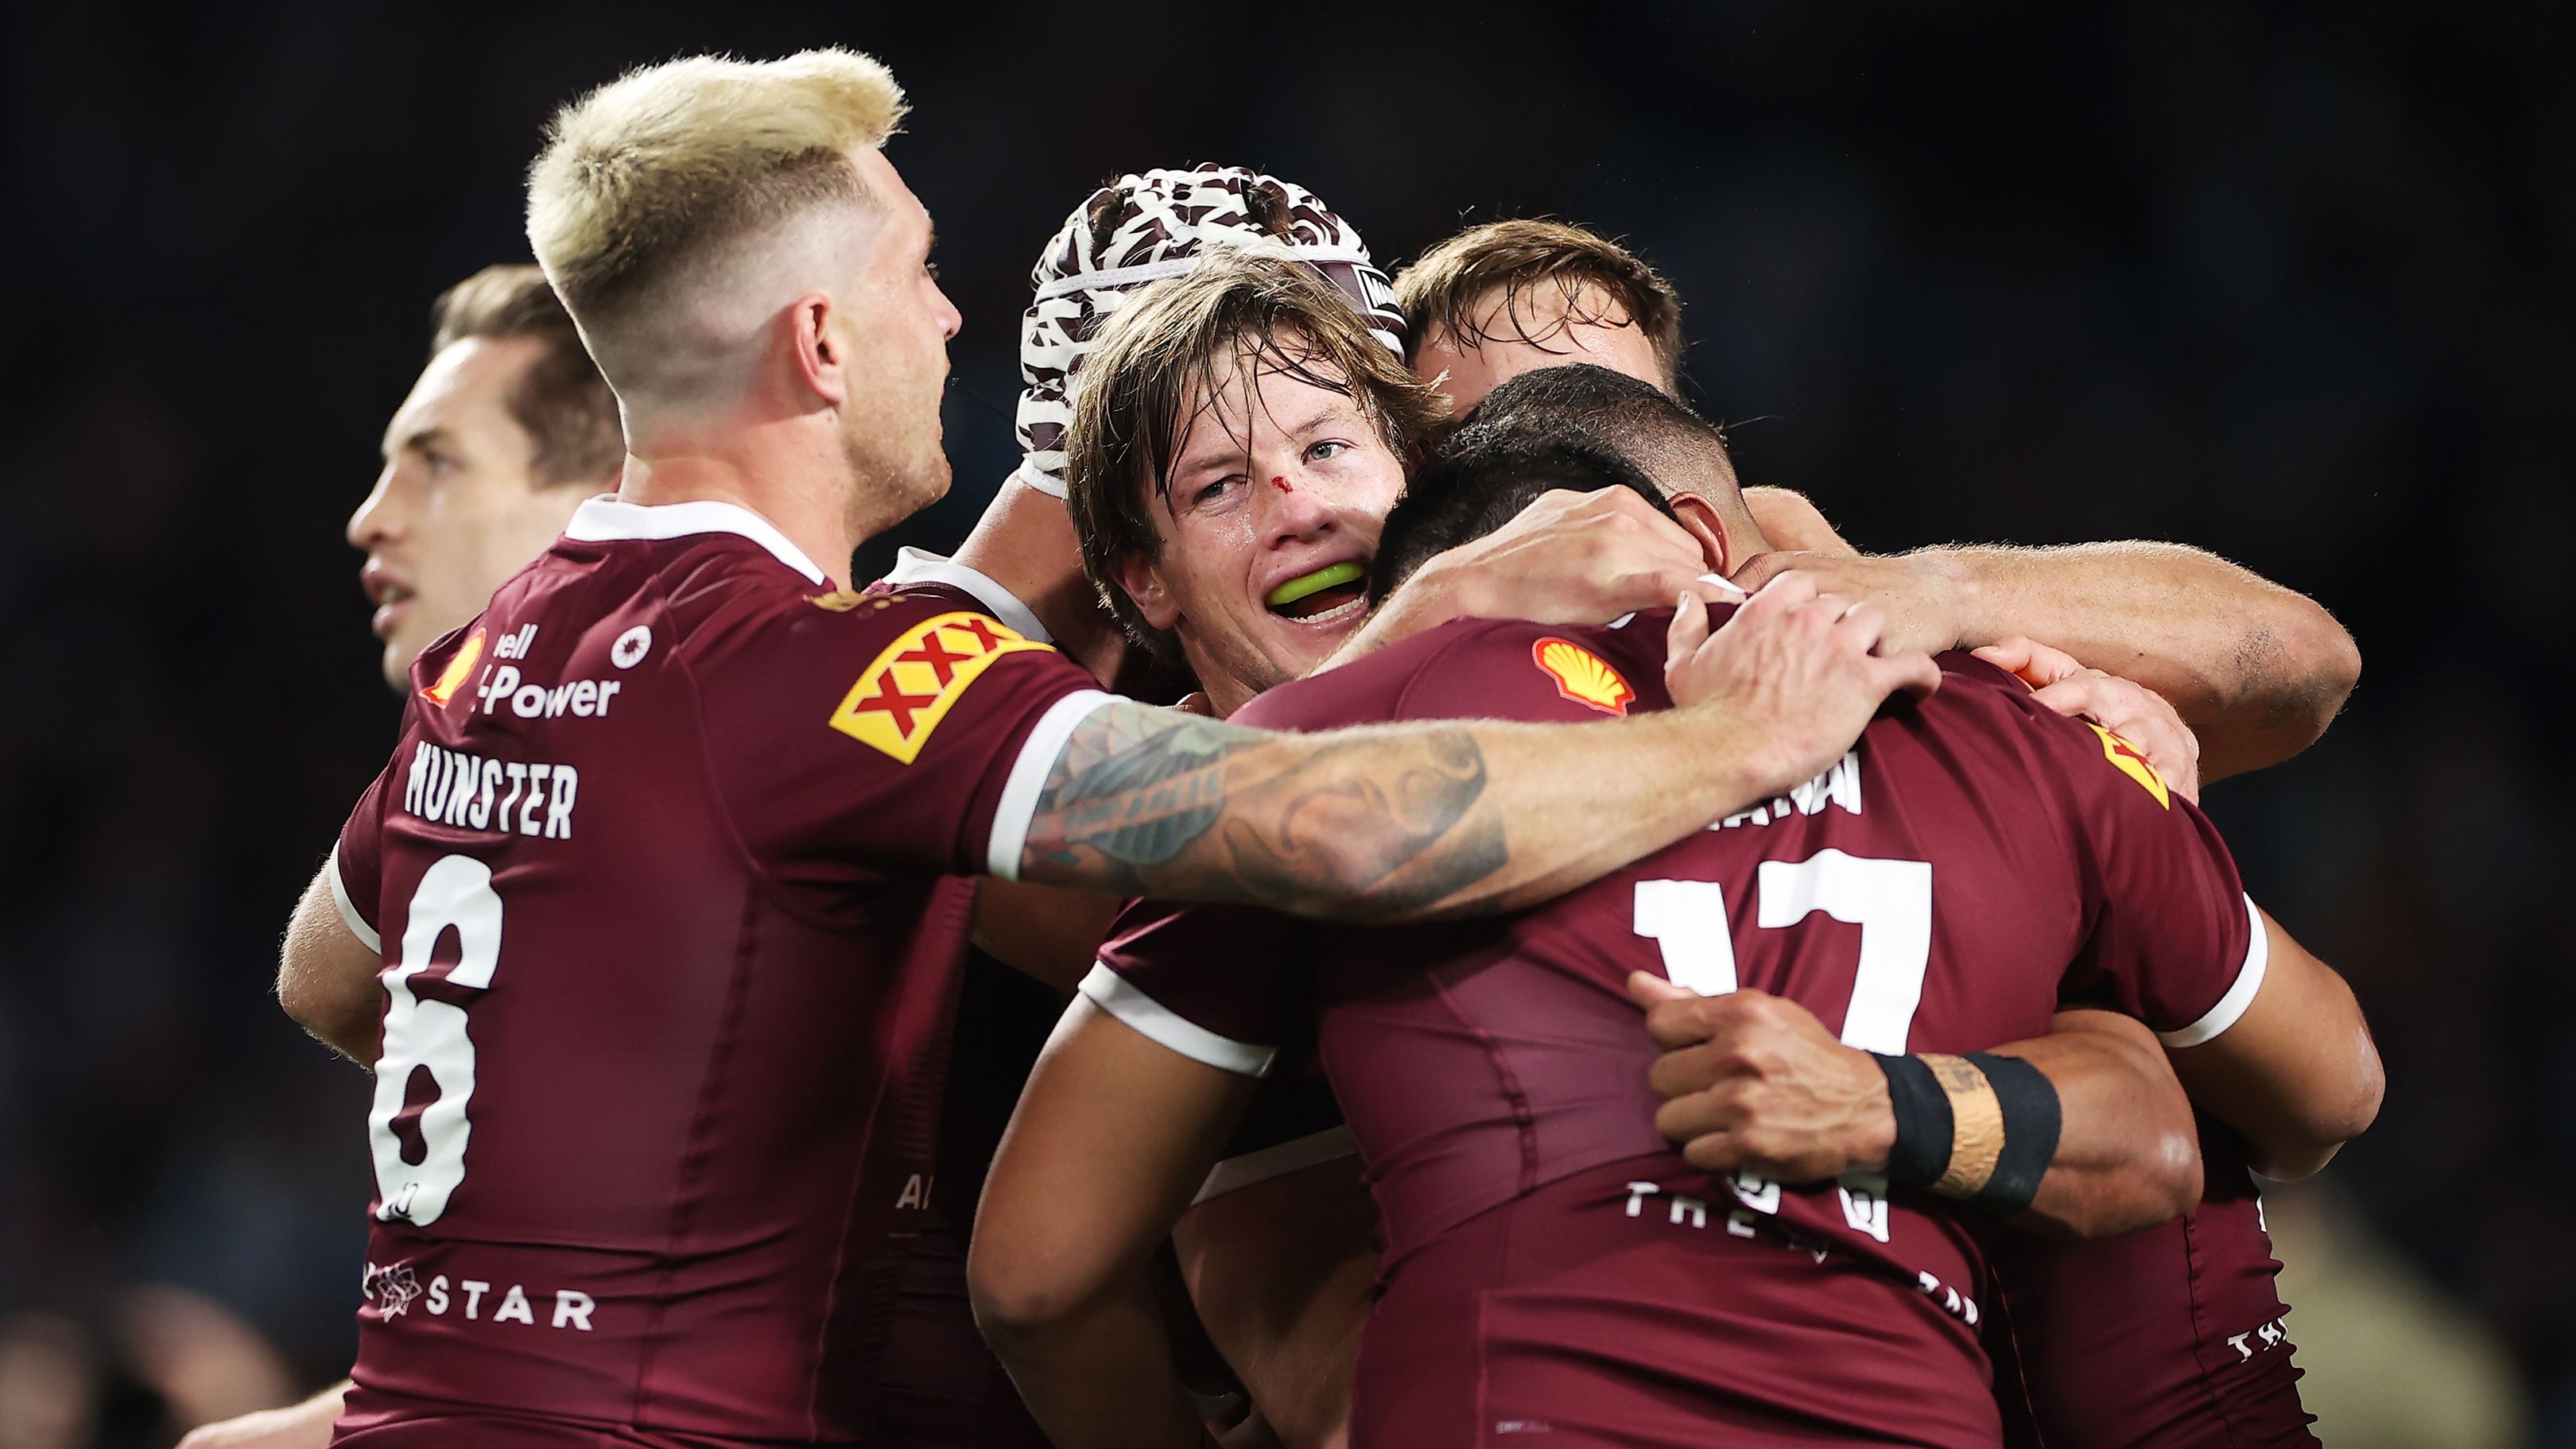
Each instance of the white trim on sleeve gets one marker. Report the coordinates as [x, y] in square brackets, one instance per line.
[1294, 1155]
[2249, 979]
[1038, 754]
[1120, 997]
[920, 566]
[349, 916]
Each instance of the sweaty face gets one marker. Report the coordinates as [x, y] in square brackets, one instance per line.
[1543, 326]
[457, 509]
[1277, 495]
[898, 327]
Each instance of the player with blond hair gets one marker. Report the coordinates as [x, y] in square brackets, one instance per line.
[667, 883]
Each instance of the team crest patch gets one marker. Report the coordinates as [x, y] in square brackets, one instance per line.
[912, 685]
[460, 665]
[1582, 676]
[2132, 764]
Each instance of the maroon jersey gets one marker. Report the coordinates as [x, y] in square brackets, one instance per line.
[670, 874]
[2170, 1338]
[1551, 1263]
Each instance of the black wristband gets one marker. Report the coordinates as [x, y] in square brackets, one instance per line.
[2031, 1125]
[1923, 1123]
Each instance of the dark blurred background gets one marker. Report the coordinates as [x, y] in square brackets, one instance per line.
[2292, 283]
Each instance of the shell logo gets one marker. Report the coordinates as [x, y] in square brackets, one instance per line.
[2130, 762]
[1582, 676]
[459, 665]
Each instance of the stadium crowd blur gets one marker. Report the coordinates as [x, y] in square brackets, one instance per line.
[2297, 284]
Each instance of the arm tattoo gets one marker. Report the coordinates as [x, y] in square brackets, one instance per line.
[1154, 802]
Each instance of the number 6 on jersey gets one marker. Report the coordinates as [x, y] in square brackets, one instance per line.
[455, 893]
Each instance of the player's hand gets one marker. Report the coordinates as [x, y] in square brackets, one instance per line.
[1754, 1083]
[1919, 593]
[1792, 524]
[1798, 672]
[1571, 558]
[2124, 707]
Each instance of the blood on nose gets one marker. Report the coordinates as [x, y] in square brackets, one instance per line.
[1281, 484]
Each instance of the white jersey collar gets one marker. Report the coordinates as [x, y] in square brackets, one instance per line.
[920, 566]
[609, 519]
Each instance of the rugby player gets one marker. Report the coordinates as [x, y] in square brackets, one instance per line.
[2174, 1336]
[1021, 564]
[505, 432]
[2257, 670]
[674, 853]
[1276, 1248]
[1043, 1306]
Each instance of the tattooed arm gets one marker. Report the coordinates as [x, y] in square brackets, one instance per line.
[1407, 822]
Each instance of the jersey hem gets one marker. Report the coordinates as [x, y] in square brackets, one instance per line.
[2249, 980]
[1294, 1155]
[1170, 1030]
[1038, 754]
[349, 916]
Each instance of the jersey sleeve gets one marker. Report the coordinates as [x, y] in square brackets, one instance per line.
[2173, 941]
[1215, 983]
[904, 732]
[356, 867]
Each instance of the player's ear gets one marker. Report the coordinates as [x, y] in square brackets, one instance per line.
[818, 356]
[1143, 585]
[1702, 521]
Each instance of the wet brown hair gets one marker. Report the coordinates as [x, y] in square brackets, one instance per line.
[1237, 314]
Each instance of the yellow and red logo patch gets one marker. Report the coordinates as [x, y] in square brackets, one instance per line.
[1582, 676]
[2125, 756]
[913, 684]
[459, 665]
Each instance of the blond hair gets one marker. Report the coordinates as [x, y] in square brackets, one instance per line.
[1445, 288]
[645, 179]
[1241, 311]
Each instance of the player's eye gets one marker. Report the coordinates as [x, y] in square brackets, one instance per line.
[1214, 489]
[440, 464]
[931, 268]
[1329, 448]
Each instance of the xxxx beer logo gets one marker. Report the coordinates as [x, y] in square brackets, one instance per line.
[1582, 676]
[912, 685]
[2132, 764]
[460, 665]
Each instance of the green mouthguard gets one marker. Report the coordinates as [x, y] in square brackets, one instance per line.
[1321, 579]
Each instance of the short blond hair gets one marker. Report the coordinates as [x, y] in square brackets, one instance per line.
[666, 163]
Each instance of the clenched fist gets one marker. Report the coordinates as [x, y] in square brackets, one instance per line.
[1754, 1083]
